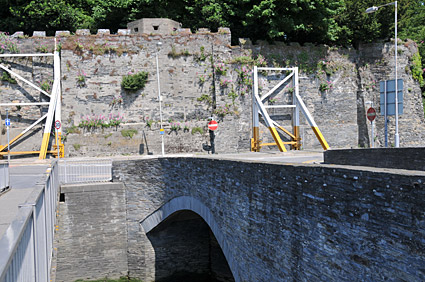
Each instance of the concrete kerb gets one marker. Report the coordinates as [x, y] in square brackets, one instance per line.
[192, 204]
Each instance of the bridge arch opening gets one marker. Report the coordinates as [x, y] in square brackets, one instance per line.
[188, 244]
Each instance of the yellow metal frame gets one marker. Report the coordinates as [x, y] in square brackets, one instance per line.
[54, 108]
[55, 153]
[297, 105]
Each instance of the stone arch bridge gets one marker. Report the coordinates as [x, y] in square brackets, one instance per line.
[222, 220]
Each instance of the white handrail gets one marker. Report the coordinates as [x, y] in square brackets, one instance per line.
[26, 246]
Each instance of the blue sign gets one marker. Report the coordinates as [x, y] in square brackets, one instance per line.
[7, 121]
[387, 89]
[161, 131]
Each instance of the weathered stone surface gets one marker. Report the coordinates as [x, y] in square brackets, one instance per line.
[184, 244]
[59, 33]
[288, 222]
[92, 233]
[39, 34]
[18, 34]
[203, 30]
[103, 32]
[224, 30]
[82, 32]
[153, 26]
[401, 158]
[123, 31]
[184, 31]
[191, 85]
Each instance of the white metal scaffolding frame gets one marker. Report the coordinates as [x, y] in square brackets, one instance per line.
[258, 107]
[54, 110]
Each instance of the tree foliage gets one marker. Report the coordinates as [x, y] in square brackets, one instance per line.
[318, 21]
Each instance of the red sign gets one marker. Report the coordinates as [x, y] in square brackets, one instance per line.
[371, 114]
[57, 124]
[212, 125]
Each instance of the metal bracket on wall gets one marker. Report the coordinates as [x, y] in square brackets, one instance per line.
[259, 108]
[54, 103]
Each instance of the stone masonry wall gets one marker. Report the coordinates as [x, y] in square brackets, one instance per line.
[186, 250]
[288, 222]
[92, 234]
[395, 158]
[202, 76]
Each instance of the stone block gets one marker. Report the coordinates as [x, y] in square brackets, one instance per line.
[18, 34]
[184, 31]
[203, 30]
[224, 30]
[123, 31]
[62, 33]
[39, 34]
[82, 32]
[245, 41]
[103, 32]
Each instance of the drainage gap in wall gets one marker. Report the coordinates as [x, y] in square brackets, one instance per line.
[62, 197]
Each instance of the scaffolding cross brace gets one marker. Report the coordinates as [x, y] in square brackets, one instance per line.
[259, 108]
[54, 105]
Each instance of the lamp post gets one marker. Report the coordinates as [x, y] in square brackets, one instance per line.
[158, 46]
[372, 10]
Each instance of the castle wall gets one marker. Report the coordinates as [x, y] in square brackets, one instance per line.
[200, 77]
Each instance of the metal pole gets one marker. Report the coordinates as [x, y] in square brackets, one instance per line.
[212, 137]
[159, 97]
[8, 140]
[371, 127]
[385, 114]
[255, 114]
[397, 138]
[57, 142]
[296, 110]
[58, 109]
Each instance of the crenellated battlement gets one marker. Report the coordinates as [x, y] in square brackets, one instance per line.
[120, 32]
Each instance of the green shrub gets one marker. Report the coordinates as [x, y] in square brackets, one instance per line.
[73, 129]
[134, 82]
[201, 57]
[6, 77]
[206, 99]
[175, 54]
[417, 71]
[243, 60]
[128, 132]
[197, 130]
[76, 146]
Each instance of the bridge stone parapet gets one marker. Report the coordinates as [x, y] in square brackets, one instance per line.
[287, 222]
[401, 158]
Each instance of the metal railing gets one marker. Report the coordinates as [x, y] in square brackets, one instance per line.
[4, 176]
[85, 171]
[26, 246]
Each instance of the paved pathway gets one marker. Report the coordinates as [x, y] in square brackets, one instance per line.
[23, 177]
